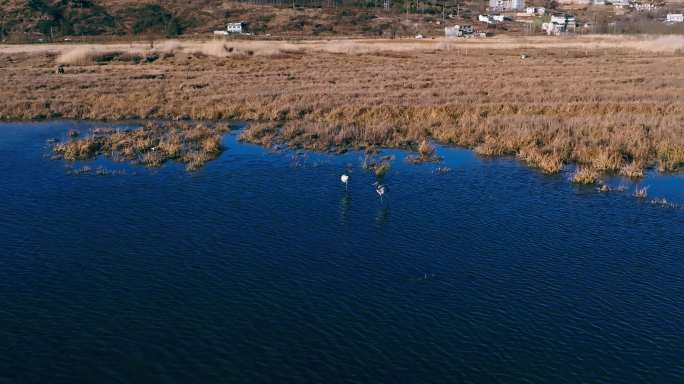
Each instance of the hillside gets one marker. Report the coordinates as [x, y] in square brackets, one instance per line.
[43, 20]
[51, 20]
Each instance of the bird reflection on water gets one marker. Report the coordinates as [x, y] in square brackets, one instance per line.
[345, 207]
[383, 215]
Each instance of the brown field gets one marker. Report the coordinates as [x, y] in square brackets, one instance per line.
[612, 105]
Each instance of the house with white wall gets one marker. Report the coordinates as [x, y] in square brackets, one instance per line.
[506, 5]
[560, 23]
[238, 27]
[674, 18]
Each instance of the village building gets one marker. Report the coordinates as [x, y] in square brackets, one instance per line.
[231, 28]
[235, 27]
[621, 4]
[491, 19]
[536, 11]
[645, 7]
[459, 31]
[674, 18]
[560, 24]
[506, 5]
[485, 19]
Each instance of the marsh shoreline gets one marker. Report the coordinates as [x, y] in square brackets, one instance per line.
[617, 110]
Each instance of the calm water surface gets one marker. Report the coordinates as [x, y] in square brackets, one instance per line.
[260, 268]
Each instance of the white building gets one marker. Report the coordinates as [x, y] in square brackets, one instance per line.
[537, 11]
[458, 31]
[674, 18]
[235, 27]
[620, 3]
[506, 5]
[485, 19]
[491, 19]
[560, 23]
[645, 7]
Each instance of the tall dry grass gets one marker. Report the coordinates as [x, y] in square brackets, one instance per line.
[616, 111]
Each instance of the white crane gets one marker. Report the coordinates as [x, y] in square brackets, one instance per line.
[345, 179]
[380, 189]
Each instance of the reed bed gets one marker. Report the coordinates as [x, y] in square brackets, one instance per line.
[151, 145]
[613, 110]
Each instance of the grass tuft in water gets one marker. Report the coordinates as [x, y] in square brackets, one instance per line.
[426, 153]
[585, 176]
[633, 170]
[641, 193]
[382, 169]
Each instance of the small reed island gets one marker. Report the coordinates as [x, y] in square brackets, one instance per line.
[151, 145]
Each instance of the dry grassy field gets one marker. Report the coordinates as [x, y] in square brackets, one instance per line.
[608, 104]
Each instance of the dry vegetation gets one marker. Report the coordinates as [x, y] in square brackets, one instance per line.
[609, 110]
[585, 175]
[150, 145]
[425, 153]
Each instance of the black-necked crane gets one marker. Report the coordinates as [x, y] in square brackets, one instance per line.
[345, 179]
[380, 189]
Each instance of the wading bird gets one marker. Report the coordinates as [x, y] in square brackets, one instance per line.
[380, 189]
[345, 179]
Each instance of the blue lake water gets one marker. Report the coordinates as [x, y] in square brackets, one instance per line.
[260, 268]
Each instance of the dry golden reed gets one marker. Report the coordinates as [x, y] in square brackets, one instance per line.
[565, 104]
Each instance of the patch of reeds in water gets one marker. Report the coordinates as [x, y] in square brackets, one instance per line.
[379, 166]
[633, 170]
[426, 153]
[151, 145]
[641, 193]
[585, 175]
[381, 169]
